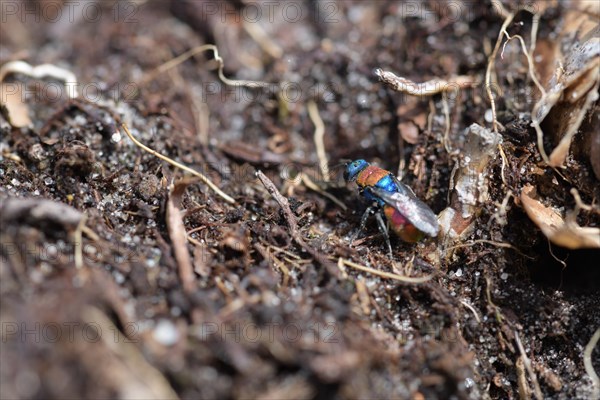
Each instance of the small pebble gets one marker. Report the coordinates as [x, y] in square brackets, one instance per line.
[165, 333]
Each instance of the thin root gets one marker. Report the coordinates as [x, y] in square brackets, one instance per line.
[197, 50]
[527, 55]
[492, 242]
[500, 214]
[536, 386]
[383, 274]
[490, 70]
[203, 178]
[470, 307]
[587, 362]
[580, 205]
[504, 163]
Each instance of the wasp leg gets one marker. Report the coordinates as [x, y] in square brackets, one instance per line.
[383, 229]
[363, 223]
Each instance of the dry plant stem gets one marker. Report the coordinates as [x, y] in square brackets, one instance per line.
[342, 268]
[446, 109]
[500, 215]
[284, 251]
[490, 69]
[197, 50]
[535, 24]
[558, 260]
[293, 225]
[78, 245]
[42, 71]
[504, 163]
[540, 141]
[522, 386]
[580, 205]
[319, 134]
[90, 233]
[193, 241]
[587, 362]
[383, 274]
[204, 179]
[536, 386]
[527, 56]
[493, 243]
[470, 307]
[311, 185]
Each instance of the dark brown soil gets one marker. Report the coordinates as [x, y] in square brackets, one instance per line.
[269, 313]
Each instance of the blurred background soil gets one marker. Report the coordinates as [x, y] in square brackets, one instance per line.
[101, 298]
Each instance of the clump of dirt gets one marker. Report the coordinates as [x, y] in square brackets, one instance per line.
[102, 297]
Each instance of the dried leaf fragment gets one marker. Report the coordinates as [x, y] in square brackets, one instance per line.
[561, 231]
[572, 91]
[18, 112]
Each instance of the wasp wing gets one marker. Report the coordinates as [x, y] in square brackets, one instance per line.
[414, 210]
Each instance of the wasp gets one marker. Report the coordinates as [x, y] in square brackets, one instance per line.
[407, 216]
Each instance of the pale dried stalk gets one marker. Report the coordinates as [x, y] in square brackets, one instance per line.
[383, 274]
[203, 178]
[200, 49]
[319, 135]
[42, 71]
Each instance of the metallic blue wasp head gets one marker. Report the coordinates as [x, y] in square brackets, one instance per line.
[353, 169]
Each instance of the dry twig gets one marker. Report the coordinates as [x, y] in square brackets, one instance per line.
[293, 224]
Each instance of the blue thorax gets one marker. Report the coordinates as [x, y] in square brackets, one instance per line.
[386, 183]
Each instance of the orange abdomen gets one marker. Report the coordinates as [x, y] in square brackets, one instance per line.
[370, 176]
[401, 226]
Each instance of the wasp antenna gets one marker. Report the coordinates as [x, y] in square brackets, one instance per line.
[343, 162]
